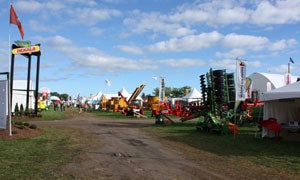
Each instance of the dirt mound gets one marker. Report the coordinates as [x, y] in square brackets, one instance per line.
[18, 133]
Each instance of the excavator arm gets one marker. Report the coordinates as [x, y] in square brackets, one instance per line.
[135, 94]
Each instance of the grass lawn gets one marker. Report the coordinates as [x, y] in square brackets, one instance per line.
[247, 145]
[37, 158]
[40, 157]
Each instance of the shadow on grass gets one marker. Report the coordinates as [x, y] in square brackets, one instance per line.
[248, 145]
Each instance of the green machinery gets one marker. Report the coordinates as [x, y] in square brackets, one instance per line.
[218, 93]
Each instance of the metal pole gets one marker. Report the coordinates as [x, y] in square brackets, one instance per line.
[28, 83]
[11, 82]
[37, 84]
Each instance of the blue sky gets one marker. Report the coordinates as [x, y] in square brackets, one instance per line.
[85, 42]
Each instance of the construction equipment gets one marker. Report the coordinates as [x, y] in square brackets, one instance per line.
[133, 105]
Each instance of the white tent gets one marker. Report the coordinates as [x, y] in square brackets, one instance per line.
[97, 97]
[124, 93]
[283, 103]
[260, 82]
[192, 96]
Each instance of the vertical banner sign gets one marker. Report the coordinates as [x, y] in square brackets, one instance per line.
[3, 104]
[287, 79]
[162, 89]
[240, 80]
[269, 86]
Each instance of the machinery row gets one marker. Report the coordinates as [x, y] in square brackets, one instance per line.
[218, 111]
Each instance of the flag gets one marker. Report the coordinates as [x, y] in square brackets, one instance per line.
[154, 77]
[291, 60]
[15, 20]
[107, 82]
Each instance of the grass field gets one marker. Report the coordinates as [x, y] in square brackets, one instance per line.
[37, 158]
[43, 156]
[247, 145]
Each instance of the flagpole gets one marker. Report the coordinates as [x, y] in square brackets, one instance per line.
[9, 80]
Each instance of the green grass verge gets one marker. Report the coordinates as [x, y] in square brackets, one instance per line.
[49, 115]
[37, 158]
[247, 145]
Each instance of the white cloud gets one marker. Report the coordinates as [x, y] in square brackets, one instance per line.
[50, 6]
[83, 2]
[94, 58]
[235, 15]
[280, 12]
[187, 43]
[255, 64]
[229, 64]
[29, 6]
[281, 69]
[239, 44]
[39, 26]
[282, 44]
[214, 13]
[182, 63]
[157, 23]
[245, 42]
[91, 16]
[231, 54]
[131, 49]
[96, 31]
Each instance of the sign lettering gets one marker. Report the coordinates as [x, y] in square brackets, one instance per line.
[24, 50]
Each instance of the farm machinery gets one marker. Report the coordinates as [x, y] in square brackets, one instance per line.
[133, 106]
[220, 111]
[218, 104]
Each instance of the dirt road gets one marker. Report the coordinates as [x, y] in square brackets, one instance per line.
[121, 149]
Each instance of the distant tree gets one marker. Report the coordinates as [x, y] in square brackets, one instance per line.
[155, 91]
[183, 91]
[54, 94]
[21, 109]
[173, 92]
[17, 112]
[143, 96]
[64, 96]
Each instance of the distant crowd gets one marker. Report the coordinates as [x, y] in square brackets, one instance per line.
[59, 105]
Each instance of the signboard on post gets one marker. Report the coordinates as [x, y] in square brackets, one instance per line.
[162, 90]
[24, 50]
[240, 80]
[3, 104]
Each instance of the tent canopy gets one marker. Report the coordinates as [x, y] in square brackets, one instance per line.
[194, 95]
[283, 103]
[54, 98]
[262, 82]
[124, 93]
[285, 92]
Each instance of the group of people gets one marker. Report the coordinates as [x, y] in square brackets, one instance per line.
[59, 106]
